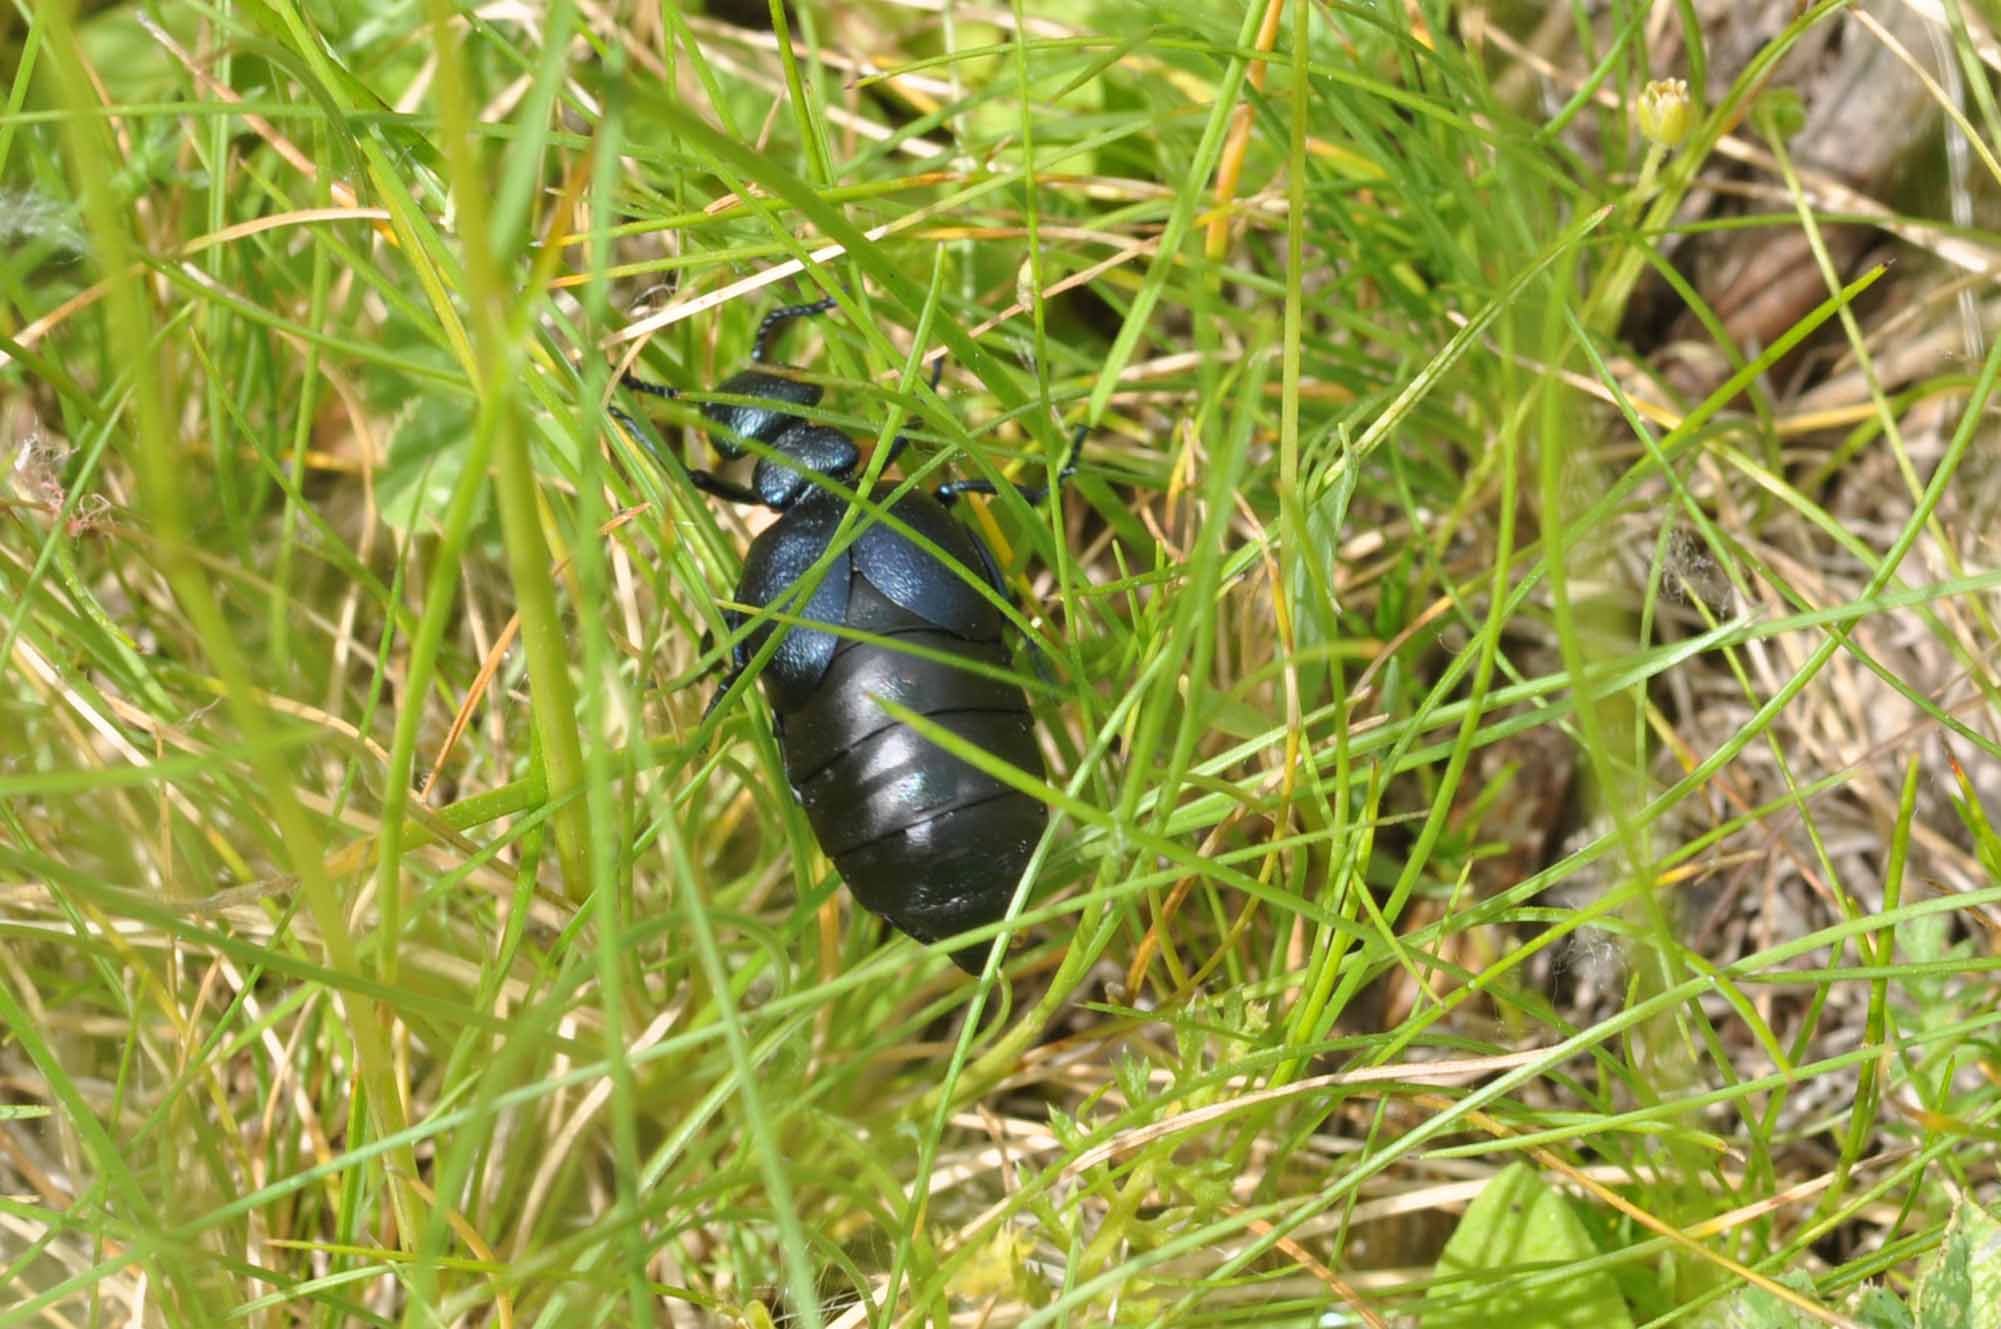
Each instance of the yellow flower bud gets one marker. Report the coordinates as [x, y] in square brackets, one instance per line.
[1664, 111]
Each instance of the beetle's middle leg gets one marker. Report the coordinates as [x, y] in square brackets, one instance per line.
[949, 492]
[723, 686]
[729, 668]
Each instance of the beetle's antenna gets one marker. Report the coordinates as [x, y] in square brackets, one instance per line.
[778, 318]
[767, 330]
[638, 384]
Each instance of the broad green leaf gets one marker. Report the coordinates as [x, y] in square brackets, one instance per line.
[427, 450]
[1755, 1308]
[1517, 1227]
[1960, 1285]
[1880, 1308]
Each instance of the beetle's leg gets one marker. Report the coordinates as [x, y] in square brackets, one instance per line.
[632, 426]
[640, 434]
[778, 318]
[949, 492]
[723, 685]
[902, 441]
[728, 668]
[896, 447]
[727, 490]
[706, 481]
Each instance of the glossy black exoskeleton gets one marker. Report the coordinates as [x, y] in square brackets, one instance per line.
[925, 840]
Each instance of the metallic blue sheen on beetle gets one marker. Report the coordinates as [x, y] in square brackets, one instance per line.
[927, 841]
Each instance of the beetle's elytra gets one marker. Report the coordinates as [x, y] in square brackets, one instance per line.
[925, 840]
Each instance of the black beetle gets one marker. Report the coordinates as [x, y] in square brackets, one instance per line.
[925, 840]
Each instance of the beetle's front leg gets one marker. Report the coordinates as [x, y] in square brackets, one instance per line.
[706, 481]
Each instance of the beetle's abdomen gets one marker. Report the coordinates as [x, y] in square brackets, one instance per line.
[927, 841]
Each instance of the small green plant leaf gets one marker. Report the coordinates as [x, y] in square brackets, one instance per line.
[1986, 844]
[1239, 719]
[427, 452]
[1880, 1308]
[1960, 1285]
[1779, 112]
[1516, 1227]
[1755, 1308]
